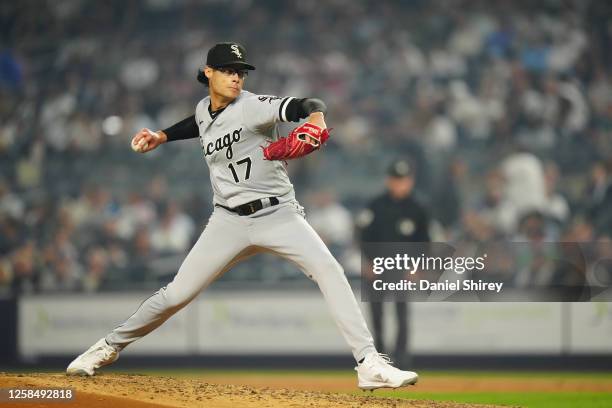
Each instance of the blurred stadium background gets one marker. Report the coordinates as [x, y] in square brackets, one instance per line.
[506, 107]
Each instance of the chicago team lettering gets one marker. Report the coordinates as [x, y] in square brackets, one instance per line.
[224, 142]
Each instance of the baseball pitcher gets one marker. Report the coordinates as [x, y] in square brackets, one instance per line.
[254, 210]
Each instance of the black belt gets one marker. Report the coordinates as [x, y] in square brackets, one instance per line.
[252, 207]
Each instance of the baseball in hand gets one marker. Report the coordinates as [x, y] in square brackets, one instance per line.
[140, 147]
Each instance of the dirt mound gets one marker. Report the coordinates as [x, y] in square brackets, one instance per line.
[140, 391]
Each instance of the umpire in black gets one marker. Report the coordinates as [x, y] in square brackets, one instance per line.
[394, 216]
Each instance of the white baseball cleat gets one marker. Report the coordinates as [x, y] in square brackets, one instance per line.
[98, 355]
[376, 371]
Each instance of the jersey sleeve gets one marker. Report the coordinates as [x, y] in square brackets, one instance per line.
[185, 129]
[265, 110]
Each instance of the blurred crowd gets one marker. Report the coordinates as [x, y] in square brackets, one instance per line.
[506, 107]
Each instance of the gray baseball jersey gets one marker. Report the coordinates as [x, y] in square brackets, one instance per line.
[232, 146]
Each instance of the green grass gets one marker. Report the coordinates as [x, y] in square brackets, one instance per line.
[523, 399]
[593, 375]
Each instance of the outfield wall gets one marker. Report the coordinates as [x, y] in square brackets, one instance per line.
[297, 322]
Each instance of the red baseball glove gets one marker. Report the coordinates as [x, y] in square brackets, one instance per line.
[301, 141]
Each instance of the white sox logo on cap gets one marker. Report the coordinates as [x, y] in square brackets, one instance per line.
[236, 51]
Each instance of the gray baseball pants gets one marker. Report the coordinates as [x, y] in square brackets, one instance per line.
[228, 239]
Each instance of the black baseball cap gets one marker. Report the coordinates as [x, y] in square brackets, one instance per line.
[226, 54]
[401, 168]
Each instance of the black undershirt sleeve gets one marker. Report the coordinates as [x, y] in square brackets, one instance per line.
[185, 129]
[301, 108]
